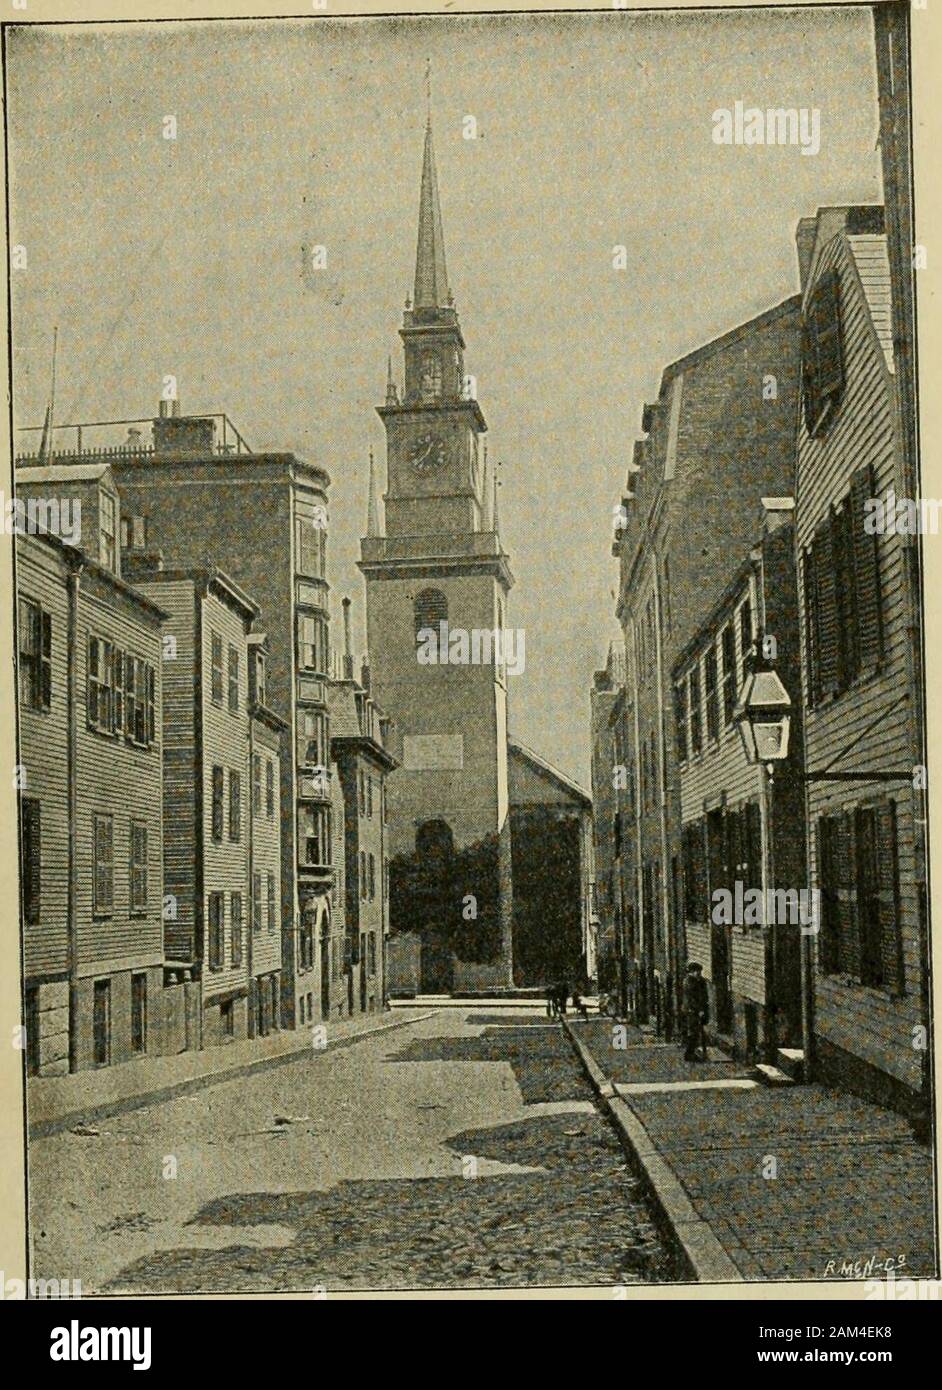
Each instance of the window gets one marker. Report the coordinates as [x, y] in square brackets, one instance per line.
[696, 717]
[217, 812]
[841, 592]
[822, 364]
[372, 877]
[272, 910]
[138, 867]
[259, 668]
[101, 1023]
[256, 784]
[215, 642]
[233, 680]
[138, 1013]
[256, 901]
[361, 794]
[680, 719]
[729, 688]
[429, 609]
[107, 530]
[101, 679]
[312, 738]
[120, 693]
[35, 655]
[235, 927]
[369, 795]
[31, 850]
[314, 835]
[269, 789]
[371, 953]
[363, 883]
[312, 642]
[311, 547]
[103, 848]
[140, 703]
[32, 1030]
[710, 690]
[858, 874]
[745, 636]
[217, 944]
[235, 806]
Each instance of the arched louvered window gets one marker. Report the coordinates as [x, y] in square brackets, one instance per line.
[430, 609]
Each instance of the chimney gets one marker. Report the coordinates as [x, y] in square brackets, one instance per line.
[163, 409]
[141, 564]
[805, 234]
[347, 653]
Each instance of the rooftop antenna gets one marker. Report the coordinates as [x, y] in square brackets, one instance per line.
[428, 91]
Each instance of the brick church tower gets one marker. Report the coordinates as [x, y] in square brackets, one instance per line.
[438, 565]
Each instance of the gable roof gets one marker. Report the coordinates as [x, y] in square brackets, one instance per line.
[547, 772]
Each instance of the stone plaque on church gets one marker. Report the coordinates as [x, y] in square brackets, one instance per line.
[433, 752]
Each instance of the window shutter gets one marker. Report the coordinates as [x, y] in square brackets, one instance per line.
[45, 660]
[812, 661]
[846, 876]
[888, 893]
[753, 837]
[866, 571]
[829, 941]
[32, 860]
[827, 331]
[826, 624]
[809, 375]
[92, 680]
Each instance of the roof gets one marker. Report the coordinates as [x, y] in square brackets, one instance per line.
[545, 769]
[212, 577]
[431, 277]
[60, 472]
[727, 339]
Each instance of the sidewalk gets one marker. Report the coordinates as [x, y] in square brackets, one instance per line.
[55, 1103]
[850, 1183]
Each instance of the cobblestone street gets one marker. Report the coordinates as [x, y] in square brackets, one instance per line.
[462, 1150]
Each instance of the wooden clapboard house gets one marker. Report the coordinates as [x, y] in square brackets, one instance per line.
[856, 604]
[207, 806]
[89, 776]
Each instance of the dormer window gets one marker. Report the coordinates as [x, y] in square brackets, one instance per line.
[822, 358]
[107, 531]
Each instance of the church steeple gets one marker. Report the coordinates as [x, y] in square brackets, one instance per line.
[431, 277]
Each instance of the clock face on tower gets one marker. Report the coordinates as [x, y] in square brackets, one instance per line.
[427, 453]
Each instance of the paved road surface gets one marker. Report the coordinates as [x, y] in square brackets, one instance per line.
[461, 1151]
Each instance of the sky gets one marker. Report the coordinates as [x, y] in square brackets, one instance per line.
[157, 256]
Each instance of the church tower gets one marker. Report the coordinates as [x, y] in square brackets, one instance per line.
[437, 566]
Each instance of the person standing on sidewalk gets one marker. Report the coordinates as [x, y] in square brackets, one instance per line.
[696, 1011]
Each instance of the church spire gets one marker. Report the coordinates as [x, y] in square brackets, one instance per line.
[431, 277]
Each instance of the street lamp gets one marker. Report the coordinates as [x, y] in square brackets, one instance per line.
[762, 716]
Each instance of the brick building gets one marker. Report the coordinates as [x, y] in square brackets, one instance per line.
[195, 491]
[735, 837]
[263, 939]
[719, 437]
[438, 565]
[608, 782]
[360, 737]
